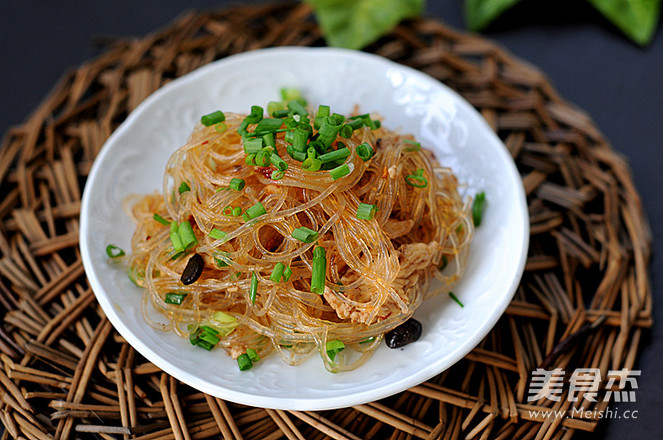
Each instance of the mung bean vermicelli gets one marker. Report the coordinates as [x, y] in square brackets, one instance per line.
[298, 233]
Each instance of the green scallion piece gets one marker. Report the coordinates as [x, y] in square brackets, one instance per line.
[319, 270]
[299, 139]
[175, 237]
[311, 164]
[237, 211]
[355, 124]
[250, 160]
[275, 106]
[297, 107]
[252, 145]
[114, 252]
[268, 125]
[268, 140]
[334, 347]
[413, 145]
[236, 184]
[277, 175]
[209, 337]
[212, 118]
[281, 113]
[184, 187]
[417, 179]
[340, 171]
[455, 298]
[254, 211]
[253, 287]
[160, 219]
[305, 234]
[228, 211]
[346, 131]
[244, 362]
[287, 272]
[185, 231]
[174, 298]
[477, 208]
[277, 272]
[263, 158]
[220, 127]
[279, 163]
[366, 211]
[299, 156]
[335, 155]
[256, 115]
[365, 151]
[252, 354]
[217, 234]
[241, 130]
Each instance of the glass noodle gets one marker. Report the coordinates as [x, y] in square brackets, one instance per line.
[378, 271]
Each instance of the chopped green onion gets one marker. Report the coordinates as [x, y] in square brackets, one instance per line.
[279, 163]
[333, 348]
[417, 179]
[174, 298]
[217, 234]
[366, 211]
[175, 237]
[254, 211]
[268, 125]
[223, 317]
[346, 131]
[277, 272]
[297, 155]
[236, 184]
[250, 160]
[268, 140]
[321, 114]
[286, 274]
[319, 270]
[297, 107]
[275, 106]
[355, 124]
[414, 145]
[252, 354]
[244, 362]
[253, 288]
[252, 145]
[365, 151]
[277, 175]
[455, 298]
[305, 234]
[212, 118]
[477, 208]
[263, 158]
[290, 93]
[210, 337]
[114, 252]
[242, 128]
[335, 155]
[160, 219]
[220, 127]
[256, 115]
[337, 119]
[228, 211]
[185, 231]
[311, 164]
[184, 187]
[340, 171]
[237, 211]
[300, 137]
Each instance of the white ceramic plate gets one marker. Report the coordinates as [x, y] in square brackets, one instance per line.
[134, 158]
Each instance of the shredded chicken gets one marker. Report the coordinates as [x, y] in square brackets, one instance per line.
[413, 258]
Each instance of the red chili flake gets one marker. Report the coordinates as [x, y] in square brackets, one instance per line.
[265, 171]
[206, 142]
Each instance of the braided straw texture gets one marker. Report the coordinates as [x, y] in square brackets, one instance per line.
[67, 374]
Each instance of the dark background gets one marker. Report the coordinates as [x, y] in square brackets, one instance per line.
[588, 62]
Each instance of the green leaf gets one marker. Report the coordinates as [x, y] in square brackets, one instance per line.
[480, 13]
[637, 19]
[354, 24]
